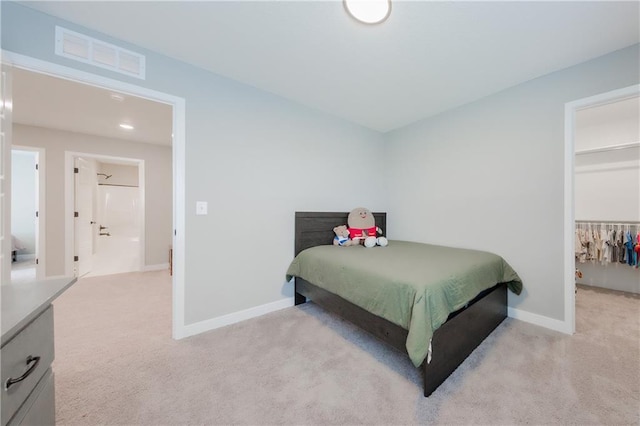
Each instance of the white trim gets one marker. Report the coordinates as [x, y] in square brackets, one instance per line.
[179, 215]
[570, 109]
[156, 267]
[213, 323]
[58, 277]
[542, 321]
[142, 249]
[179, 143]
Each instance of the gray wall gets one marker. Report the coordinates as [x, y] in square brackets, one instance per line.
[158, 177]
[490, 175]
[255, 157]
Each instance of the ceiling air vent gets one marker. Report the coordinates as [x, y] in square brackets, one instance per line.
[80, 47]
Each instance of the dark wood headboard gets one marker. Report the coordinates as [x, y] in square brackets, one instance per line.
[316, 228]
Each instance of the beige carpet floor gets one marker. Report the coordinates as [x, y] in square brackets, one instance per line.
[117, 364]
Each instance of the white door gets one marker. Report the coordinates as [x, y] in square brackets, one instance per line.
[38, 214]
[6, 107]
[86, 183]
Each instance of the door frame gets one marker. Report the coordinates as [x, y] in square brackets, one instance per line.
[178, 150]
[41, 188]
[570, 110]
[70, 195]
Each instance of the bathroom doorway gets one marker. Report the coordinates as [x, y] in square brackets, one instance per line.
[108, 210]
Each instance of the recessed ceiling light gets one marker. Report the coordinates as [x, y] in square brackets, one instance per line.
[126, 126]
[368, 11]
[117, 97]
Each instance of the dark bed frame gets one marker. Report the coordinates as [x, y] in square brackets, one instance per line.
[452, 343]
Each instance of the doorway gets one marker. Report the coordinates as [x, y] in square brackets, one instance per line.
[108, 208]
[571, 110]
[27, 214]
[607, 194]
[178, 162]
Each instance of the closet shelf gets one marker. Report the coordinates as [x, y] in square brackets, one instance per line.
[609, 148]
[612, 222]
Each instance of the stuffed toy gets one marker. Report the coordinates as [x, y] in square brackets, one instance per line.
[363, 229]
[342, 236]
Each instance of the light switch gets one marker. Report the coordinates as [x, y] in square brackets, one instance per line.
[201, 207]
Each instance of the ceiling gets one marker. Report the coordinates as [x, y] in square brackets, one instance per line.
[428, 57]
[50, 102]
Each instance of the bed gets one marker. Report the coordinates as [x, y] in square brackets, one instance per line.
[16, 245]
[438, 320]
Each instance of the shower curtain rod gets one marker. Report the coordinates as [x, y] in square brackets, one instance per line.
[115, 184]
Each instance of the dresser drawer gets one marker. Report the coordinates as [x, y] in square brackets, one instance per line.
[27, 356]
[40, 407]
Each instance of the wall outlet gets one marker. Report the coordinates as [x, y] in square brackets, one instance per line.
[201, 207]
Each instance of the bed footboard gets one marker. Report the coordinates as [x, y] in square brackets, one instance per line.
[453, 342]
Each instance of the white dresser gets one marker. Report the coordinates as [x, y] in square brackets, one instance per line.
[27, 351]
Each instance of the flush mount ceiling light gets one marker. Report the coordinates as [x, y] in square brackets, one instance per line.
[126, 126]
[368, 11]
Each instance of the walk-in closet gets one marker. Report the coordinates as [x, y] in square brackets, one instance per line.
[607, 196]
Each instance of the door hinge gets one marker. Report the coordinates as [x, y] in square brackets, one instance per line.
[75, 170]
[36, 214]
[75, 258]
[36, 261]
[36, 166]
[75, 214]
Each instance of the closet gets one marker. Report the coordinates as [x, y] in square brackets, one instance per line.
[607, 195]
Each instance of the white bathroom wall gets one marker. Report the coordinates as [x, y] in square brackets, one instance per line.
[118, 209]
[23, 200]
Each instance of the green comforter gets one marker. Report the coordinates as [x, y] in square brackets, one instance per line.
[413, 285]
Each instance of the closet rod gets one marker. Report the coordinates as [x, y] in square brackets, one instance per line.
[609, 148]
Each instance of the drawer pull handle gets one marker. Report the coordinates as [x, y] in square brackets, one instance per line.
[32, 363]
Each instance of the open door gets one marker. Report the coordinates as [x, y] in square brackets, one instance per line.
[86, 184]
[6, 107]
[39, 225]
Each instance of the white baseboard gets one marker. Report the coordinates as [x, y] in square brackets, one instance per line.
[540, 320]
[56, 277]
[157, 267]
[213, 323]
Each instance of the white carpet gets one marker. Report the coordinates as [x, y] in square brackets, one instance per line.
[117, 364]
[23, 271]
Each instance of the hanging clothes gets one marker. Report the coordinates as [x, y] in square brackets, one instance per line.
[608, 243]
[628, 244]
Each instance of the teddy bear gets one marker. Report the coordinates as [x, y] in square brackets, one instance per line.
[342, 236]
[363, 229]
